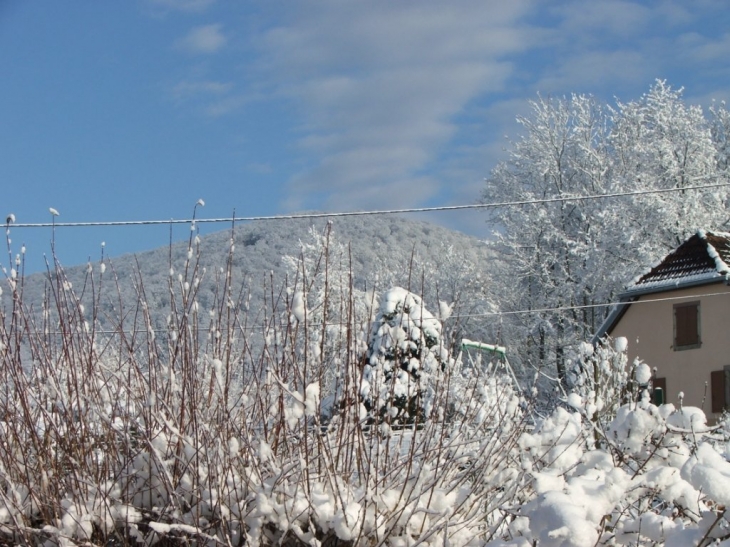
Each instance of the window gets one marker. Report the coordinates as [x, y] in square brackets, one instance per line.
[687, 326]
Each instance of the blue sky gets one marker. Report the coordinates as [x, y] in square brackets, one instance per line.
[134, 110]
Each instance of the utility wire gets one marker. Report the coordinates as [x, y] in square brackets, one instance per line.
[456, 316]
[589, 306]
[400, 211]
[235, 219]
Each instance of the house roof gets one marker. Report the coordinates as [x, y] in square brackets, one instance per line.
[704, 257]
[701, 259]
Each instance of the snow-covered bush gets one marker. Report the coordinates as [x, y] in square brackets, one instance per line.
[658, 480]
[208, 430]
[406, 360]
[326, 309]
[600, 380]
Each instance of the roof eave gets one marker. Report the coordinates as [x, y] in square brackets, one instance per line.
[672, 286]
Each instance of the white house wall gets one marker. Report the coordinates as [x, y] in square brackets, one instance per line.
[649, 329]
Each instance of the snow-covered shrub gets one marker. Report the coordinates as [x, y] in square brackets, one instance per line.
[326, 309]
[406, 360]
[659, 479]
[207, 429]
[600, 380]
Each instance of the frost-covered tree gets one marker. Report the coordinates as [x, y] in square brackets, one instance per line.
[721, 133]
[566, 254]
[661, 143]
[547, 247]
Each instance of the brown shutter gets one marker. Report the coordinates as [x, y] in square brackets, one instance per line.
[686, 325]
[717, 389]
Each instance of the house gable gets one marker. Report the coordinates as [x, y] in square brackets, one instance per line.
[702, 259]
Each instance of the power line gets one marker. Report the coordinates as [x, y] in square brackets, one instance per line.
[589, 306]
[556, 309]
[234, 219]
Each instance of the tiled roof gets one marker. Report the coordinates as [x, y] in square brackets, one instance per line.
[703, 258]
[705, 255]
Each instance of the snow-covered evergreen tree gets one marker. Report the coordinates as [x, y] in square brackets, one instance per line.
[406, 359]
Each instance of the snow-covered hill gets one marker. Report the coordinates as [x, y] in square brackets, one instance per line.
[385, 251]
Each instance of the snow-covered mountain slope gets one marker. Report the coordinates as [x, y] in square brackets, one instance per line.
[384, 251]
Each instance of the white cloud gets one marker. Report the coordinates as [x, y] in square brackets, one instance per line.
[260, 168]
[617, 48]
[593, 71]
[183, 5]
[380, 84]
[203, 39]
[229, 104]
[388, 97]
[592, 21]
[188, 89]
[705, 49]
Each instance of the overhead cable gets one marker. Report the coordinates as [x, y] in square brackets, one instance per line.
[496, 205]
[453, 317]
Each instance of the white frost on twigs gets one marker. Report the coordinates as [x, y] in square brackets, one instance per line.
[298, 306]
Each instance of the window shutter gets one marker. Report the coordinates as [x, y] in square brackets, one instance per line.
[717, 389]
[686, 325]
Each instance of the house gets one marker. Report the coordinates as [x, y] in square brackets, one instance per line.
[676, 317]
